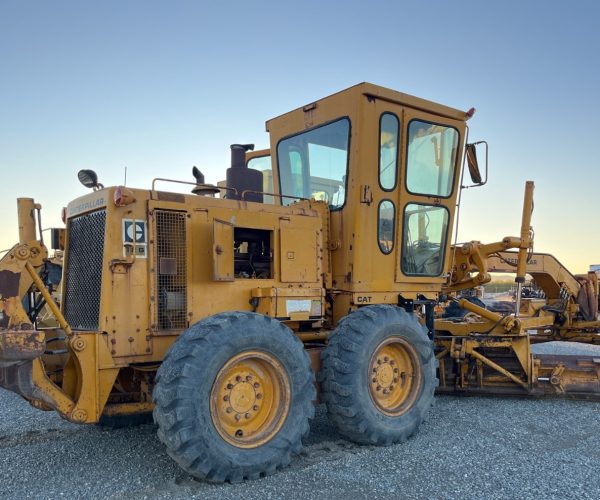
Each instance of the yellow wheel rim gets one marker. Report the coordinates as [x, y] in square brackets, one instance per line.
[394, 376]
[250, 399]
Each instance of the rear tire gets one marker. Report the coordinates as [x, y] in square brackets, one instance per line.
[234, 397]
[378, 375]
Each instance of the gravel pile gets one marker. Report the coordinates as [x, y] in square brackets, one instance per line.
[566, 348]
[469, 448]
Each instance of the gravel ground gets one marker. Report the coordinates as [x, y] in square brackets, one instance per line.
[469, 448]
[566, 348]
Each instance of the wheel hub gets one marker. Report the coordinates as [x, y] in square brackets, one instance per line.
[243, 398]
[385, 375]
[394, 376]
[250, 399]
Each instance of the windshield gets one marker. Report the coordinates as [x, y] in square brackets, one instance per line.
[313, 164]
[431, 158]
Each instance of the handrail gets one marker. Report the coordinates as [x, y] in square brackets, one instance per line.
[272, 194]
[156, 179]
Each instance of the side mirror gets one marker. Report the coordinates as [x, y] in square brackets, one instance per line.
[473, 164]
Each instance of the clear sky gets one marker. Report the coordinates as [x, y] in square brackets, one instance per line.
[161, 86]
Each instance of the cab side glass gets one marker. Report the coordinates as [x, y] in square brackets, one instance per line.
[386, 222]
[423, 239]
[263, 164]
[388, 151]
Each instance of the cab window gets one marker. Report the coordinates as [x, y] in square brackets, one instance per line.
[424, 239]
[431, 158]
[263, 164]
[388, 150]
[314, 164]
[386, 221]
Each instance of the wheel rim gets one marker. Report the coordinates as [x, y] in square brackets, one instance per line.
[250, 399]
[394, 376]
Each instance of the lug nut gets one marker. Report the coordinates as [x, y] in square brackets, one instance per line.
[247, 415]
[225, 398]
[378, 361]
[386, 359]
[237, 416]
[378, 388]
[259, 396]
[392, 362]
[374, 380]
[256, 385]
[255, 407]
[228, 410]
[249, 378]
[396, 370]
[238, 379]
[386, 391]
[229, 386]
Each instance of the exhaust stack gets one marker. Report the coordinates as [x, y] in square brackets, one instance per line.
[242, 178]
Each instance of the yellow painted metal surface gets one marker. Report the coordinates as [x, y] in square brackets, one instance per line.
[297, 304]
[223, 250]
[27, 229]
[298, 253]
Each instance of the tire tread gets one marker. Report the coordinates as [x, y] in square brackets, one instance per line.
[176, 381]
[344, 357]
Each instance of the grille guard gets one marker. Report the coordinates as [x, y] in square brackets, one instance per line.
[83, 270]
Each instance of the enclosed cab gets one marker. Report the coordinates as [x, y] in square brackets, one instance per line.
[388, 166]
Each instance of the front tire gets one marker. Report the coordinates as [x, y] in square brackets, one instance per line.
[234, 397]
[378, 375]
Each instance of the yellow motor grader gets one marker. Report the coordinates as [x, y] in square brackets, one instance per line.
[318, 269]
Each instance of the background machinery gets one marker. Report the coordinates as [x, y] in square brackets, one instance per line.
[327, 254]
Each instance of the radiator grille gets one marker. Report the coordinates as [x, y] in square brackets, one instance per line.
[171, 265]
[83, 276]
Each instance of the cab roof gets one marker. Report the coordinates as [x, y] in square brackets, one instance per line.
[373, 91]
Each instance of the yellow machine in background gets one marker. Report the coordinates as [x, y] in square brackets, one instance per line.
[326, 254]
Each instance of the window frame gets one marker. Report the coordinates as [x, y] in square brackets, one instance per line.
[345, 117]
[443, 241]
[398, 148]
[456, 161]
[393, 227]
[257, 158]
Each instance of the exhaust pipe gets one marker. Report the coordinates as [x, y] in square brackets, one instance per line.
[242, 178]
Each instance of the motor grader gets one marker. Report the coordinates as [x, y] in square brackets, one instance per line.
[319, 270]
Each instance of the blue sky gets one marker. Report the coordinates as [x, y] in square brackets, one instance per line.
[161, 86]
